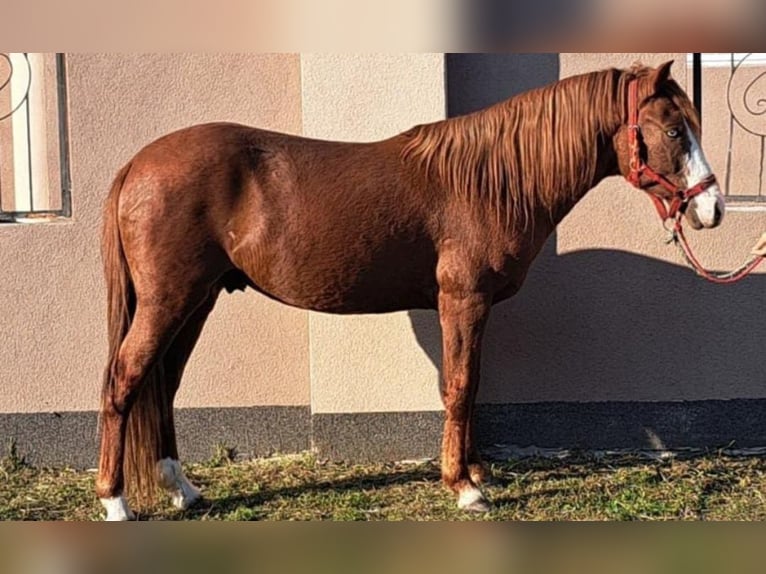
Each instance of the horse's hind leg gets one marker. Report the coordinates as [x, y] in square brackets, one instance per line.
[156, 321]
[172, 477]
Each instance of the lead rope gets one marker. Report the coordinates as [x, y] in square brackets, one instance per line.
[677, 236]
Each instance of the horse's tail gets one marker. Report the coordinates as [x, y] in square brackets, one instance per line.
[148, 419]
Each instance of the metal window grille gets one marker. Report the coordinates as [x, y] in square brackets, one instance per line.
[34, 147]
[737, 80]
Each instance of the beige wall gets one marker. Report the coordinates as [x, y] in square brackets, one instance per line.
[52, 333]
[608, 312]
[370, 363]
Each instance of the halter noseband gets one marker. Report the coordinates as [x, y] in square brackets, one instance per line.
[638, 168]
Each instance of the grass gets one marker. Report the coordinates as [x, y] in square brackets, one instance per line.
[300, 487]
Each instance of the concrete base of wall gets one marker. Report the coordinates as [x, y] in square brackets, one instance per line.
[587, 426]
[70, 439]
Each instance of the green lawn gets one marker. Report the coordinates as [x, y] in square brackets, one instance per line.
[300, 487]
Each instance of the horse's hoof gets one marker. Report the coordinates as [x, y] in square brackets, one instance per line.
[478, 507]
[117, 509]
[472, 500]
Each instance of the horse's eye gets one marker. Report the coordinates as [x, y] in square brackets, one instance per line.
[673, 133]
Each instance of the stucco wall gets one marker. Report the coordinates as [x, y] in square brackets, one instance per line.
[608, 317]
[370, 363]
[609, 313]
[611, 342]
[53, 309]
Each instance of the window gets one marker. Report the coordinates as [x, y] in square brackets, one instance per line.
[730, 91]
[34, 167]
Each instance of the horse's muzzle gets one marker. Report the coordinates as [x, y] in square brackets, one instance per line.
[706, 211]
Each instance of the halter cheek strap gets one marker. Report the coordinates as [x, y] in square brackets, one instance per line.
[638, 168]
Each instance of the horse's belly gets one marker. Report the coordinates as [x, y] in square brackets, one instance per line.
[334, 261]
[347, 283]
[364, 295]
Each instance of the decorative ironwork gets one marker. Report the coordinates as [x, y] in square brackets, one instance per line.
[744, 116]
[6, 83]
[747, 108]
[32, 179]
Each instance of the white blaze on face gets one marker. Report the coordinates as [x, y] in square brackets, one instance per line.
[697, 169]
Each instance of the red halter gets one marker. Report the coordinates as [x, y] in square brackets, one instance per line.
[638, 167]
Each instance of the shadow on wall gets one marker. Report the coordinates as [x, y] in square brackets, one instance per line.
[475, 81]
[495, 25]
[634, 334]
[607, 325]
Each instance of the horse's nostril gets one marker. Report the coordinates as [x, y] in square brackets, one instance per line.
[717, 214]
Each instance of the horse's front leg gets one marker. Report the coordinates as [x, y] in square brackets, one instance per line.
[463, 317]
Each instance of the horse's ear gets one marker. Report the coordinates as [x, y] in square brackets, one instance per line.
[661, 75]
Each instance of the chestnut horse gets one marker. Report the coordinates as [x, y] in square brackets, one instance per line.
[446, 216]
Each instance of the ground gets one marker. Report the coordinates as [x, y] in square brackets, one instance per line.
[711, 486]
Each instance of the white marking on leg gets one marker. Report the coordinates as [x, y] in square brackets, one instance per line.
[172, 477]
[471, 498]
[697, 169]
[117, 509]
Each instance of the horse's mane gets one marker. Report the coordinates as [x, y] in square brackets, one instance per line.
[522, 155]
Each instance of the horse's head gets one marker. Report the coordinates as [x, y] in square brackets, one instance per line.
[659, 150]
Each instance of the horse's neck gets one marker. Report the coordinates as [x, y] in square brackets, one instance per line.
[523, 242]
[606, 167]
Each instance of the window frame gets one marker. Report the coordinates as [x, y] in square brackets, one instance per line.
[696, 62]
[62, 133]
